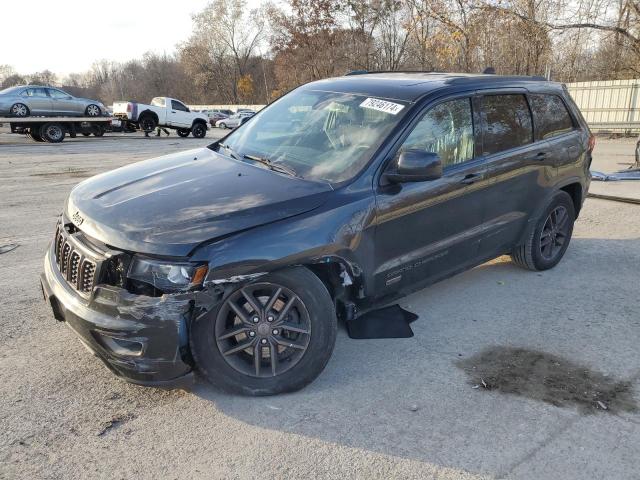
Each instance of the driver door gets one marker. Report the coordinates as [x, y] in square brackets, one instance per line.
[64, 104]
[180, 115]
[431, 229]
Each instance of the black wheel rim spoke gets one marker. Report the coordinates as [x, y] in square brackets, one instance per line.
[555, 232]
[252, 334]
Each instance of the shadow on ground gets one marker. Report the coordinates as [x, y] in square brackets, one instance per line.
[412, 398]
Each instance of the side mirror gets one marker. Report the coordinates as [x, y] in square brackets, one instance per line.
[416, 166]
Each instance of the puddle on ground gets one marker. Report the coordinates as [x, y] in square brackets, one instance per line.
[548, 378]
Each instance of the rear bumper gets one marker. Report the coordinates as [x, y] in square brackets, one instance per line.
[141, 339]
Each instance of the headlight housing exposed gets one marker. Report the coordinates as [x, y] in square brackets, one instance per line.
[165, 276]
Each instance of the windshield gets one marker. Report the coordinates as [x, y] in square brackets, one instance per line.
[319, 135]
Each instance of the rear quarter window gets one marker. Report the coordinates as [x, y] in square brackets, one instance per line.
[506, 123]
[550, 115]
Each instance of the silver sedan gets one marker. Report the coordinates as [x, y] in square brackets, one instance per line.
[46, 101]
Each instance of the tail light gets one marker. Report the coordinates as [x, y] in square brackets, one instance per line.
[592, 142]
[128, 107]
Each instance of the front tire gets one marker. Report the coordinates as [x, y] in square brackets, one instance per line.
[223, 126]
[548, 240]
[271, 336]
[92, 111]
[199, 130]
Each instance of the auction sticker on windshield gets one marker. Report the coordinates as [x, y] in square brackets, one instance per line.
[382, 105]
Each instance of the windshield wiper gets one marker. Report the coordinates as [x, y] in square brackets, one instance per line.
[276, 167]
[232, 152]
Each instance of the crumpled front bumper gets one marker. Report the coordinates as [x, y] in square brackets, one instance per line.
[143, 340]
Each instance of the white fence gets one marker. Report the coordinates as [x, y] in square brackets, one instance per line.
[226, 107]
[609, 106]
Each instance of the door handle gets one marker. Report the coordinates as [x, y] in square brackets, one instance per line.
[470, 179]
[173, 111]
[538, 156]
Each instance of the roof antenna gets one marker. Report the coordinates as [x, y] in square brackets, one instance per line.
[489, 71]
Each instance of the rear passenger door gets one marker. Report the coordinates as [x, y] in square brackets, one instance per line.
[518, 168]
[554, 124]
[38, 101]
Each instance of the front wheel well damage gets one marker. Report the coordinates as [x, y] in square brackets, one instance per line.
[343, 282]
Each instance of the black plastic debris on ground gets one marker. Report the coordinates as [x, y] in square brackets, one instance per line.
[388, 322]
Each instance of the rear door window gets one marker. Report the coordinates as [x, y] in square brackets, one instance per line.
[506, 123]
[550, 115]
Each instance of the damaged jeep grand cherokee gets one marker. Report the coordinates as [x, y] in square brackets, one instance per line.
[236, 260]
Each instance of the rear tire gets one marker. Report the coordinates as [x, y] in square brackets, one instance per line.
[147, 123]
[34, 134]
[199, 130]
[52, 132]
[183, 132]
[549, 237]
[302, 336]
[85, 134]
[19, 110]
[98, 131]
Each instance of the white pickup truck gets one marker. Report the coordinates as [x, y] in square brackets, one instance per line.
[163, 112]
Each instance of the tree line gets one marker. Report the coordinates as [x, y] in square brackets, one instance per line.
[237, 55]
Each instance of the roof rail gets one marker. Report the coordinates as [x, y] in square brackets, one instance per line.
[356, 72]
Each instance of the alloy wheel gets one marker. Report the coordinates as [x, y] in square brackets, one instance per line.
[19, 110]
[263, 330]
[93, 110]
[554, 233]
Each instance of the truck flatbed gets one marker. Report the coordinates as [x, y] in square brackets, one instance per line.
[54, 129]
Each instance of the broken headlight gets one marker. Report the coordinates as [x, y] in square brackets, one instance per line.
[147, 276]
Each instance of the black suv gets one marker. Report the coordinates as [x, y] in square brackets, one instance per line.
[236, 260]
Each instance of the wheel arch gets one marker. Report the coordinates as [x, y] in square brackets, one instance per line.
[199, 120]
[149, 112]
[575, 192]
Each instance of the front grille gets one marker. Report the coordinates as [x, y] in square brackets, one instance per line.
[77, 268]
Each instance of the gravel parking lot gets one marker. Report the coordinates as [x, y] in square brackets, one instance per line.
[404, 408]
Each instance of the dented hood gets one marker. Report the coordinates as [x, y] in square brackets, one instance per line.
[171, 204]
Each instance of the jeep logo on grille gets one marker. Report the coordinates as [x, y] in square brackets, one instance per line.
[77, 219]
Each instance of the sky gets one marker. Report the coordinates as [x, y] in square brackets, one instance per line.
[69, 35]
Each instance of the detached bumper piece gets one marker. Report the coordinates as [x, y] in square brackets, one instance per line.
[141, 339]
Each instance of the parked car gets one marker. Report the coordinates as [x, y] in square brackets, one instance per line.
[36, 100]
[163, 112]
[234, 120]
[215, 116]
[236, 260]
